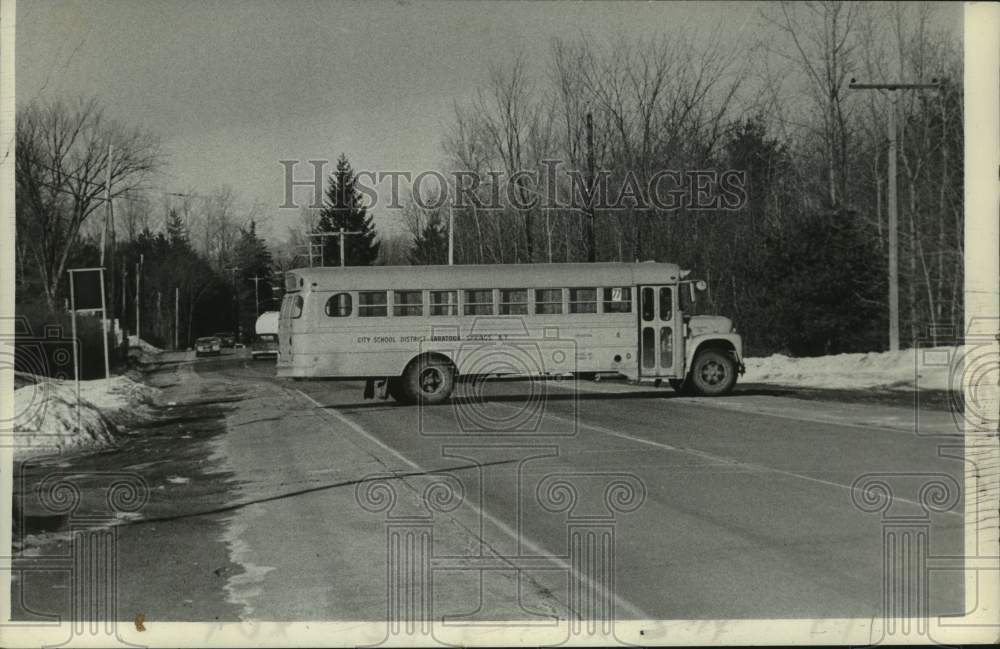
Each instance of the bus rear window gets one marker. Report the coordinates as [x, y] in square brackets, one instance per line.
[295, 307]
[372, 304]
[339, 305]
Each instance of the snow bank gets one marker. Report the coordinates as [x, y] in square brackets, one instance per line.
[49, 417]
[135, 341]
[908, 369]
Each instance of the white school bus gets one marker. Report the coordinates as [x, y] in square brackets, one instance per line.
[412, 331]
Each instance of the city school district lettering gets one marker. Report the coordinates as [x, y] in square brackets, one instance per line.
[389, 340]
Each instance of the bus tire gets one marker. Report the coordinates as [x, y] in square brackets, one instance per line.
[428, 380]
[713, 373]
[395, 389]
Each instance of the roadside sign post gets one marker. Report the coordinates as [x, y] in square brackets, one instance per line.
[86, 290]
[104, 331]
[76, 349]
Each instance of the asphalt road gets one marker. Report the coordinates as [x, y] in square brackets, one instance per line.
[300, 500]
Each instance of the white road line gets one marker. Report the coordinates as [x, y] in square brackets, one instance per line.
[722, 459]
[623, 604]
[720, 405]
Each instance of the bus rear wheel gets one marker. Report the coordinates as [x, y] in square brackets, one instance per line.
[428, 380]
[394, 388]
[713, 373]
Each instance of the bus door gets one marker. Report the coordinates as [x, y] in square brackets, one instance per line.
[659, 335]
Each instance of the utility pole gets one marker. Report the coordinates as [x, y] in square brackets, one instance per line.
[138, 276]
[107, 202]
[451, 235]
[256, 294]
[177, 311]
[340, 233]
[236, 300]
[893, 198]
[124, 310]
[591, 244]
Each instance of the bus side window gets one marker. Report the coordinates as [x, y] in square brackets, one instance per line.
[583, 300]
[339, 305]
[548, 301]
[479, 301]
[408, 303]
[513, 301]
[618, 300]
[372, 304]
[296, 309]
[444, 302]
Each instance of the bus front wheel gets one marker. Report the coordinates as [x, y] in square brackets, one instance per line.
[713, 373]
[428, 380]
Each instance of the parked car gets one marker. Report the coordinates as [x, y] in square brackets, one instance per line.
[228, 338]
[264, 346]
[265, 340]
[208, 345]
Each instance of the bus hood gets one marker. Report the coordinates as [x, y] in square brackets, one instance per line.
[709, 324]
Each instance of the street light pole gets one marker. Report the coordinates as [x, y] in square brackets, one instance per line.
[893, 198]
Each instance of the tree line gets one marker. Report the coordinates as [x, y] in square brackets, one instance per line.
[84, 200]
[802, 264]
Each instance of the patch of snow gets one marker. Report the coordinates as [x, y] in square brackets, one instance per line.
[135, 341]
[50, 416]
[176, 479]
[937, 368]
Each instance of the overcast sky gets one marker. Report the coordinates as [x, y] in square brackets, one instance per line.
[234, 86]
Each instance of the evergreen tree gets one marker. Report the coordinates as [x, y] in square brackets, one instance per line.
[826, 283]
[343, 208]
[431, 245]
[254, 260]
[177, 233]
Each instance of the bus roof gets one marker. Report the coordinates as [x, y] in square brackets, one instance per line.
[608, 274]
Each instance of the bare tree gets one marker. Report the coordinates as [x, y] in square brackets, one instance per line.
[61, 166]
[821, 42]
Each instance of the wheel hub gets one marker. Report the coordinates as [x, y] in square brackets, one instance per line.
[713, 373]
[431, 380]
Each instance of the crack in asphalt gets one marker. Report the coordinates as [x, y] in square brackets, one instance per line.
[301, 492]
